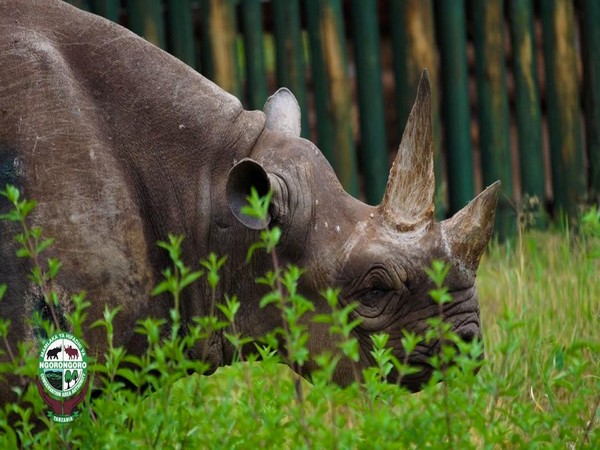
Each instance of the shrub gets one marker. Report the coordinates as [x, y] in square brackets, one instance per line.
[539, 386]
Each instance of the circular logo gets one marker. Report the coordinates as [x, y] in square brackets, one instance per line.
[63, 365]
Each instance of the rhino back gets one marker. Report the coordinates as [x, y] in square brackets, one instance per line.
[119, 143]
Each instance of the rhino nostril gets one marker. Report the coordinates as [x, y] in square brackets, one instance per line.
[469, 335]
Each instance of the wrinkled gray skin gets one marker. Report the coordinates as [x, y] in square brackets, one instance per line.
[121, 143]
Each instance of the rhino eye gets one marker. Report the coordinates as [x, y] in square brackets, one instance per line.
[374, 295]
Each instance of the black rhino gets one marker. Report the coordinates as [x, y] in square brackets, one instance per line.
[121, 143]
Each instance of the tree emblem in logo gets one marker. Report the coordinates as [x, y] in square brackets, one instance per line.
[62, 378]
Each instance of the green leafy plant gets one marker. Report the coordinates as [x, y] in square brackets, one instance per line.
[538, 386]
[32, 244]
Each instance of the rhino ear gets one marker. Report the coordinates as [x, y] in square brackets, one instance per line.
[241, 178]
[283, 113]
[468, 232]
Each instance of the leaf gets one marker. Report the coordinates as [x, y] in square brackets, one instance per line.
[331, 295]
[36, 276]
[270, 279]
[54, 266]
[190, 278]
[163, 286]
[11, 193]
[438, 272]
[4, 326]
[265, 351]
[11, 216]
[272, 238]
[237, 341]
[3, 289]
[257, 207]
[380, 340]
[26, 207]
[129, 375]
[173, 246]
[36, 232]
[231, 307]
[213, 262]
[350, 348]
[23, 253]
[53, 298]
[271, 297]
[44, 245]
[252, 249]
[351, 326]
[322, 318]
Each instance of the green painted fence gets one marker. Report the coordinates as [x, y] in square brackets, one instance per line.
[516, 84]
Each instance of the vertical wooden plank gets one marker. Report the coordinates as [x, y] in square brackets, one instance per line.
[314, 22]
[452, 35]
[146, 19]
[181, 31]
[374, 156]
[564, 121]
[527, 97]
[335, 51]
[590, 33]
[289, 53]
[219, 46]
[206, 59]
[252, 29]
[414, 49]
[110, 9]
[332, 91]
[492, 100]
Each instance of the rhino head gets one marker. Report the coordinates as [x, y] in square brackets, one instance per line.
[374, 255]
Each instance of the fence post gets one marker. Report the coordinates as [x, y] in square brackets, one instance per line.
[289, 53]
[413, 46]
[146, 20]
[527, 97]
[181, 31]
[452, 34]
[314, 22]
[590, 33]
[333, 101]
[488, 21]
[219, 49]
[373, 153]
[256, 77]
[564, 122]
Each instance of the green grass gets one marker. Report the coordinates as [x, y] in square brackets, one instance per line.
[539, 386]
[540, 301]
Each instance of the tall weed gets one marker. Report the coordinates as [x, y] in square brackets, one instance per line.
[539, 385]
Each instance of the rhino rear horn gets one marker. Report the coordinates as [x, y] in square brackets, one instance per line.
[408, 200]
[283, 113]
[468, 232]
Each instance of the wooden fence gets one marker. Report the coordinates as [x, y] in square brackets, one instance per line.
[516, 84]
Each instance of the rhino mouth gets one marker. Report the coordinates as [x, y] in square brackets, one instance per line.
[415, 382]
[420, 360]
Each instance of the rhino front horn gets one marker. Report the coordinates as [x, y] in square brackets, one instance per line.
[408, 200]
